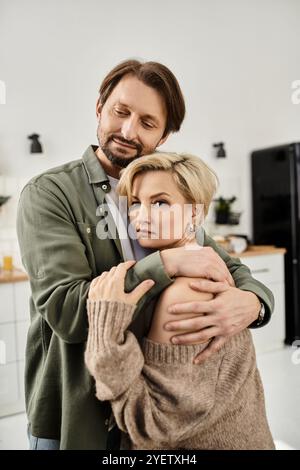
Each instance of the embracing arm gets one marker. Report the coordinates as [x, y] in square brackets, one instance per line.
[213, 263]
[243, 279]
[54, 257]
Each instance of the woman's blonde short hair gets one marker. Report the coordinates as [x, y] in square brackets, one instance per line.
[195, 180]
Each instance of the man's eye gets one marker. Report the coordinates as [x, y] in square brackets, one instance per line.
[120, 113]
[148, 125]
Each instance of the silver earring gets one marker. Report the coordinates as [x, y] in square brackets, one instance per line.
[190, 228]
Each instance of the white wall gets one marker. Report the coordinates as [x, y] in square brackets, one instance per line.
[234, 59]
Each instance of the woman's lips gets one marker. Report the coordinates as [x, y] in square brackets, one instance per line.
[116, 141]
[145, 233]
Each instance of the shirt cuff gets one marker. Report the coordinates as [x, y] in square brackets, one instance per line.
[264, 298]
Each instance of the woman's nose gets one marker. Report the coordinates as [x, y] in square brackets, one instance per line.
[143, 215]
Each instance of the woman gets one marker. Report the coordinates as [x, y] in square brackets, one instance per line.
[160, 398]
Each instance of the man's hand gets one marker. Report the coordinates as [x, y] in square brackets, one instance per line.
[229, 312]
[202, 262]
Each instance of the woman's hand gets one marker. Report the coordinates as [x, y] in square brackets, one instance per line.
[110, 285]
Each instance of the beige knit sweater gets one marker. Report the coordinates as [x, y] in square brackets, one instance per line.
[164, 401]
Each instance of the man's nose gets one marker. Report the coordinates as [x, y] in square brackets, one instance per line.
[129, 129]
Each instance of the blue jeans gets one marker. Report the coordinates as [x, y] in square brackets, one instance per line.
[40, 443]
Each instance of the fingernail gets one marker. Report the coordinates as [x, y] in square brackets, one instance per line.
[175, 340]
[171, 309]
[168, 327]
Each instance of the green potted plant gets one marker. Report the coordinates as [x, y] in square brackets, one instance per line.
[223, 212]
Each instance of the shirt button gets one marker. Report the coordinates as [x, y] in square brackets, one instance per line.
[88, 230]
[104, 186]
[106, 422]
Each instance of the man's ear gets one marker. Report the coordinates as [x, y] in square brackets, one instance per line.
[163, 140]
[98, 108]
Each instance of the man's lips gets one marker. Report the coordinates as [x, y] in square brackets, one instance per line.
[119, 142]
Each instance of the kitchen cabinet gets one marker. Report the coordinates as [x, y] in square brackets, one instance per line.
[267, 266]
[14, 323]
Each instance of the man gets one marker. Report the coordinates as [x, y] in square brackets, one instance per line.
[139, 106]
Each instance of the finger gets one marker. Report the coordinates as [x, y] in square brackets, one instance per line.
[216, 274]
[140, 290]
[216, 267]
[122, 268]
[220, 275]
[220, 272]
[96, 280]
[196, 337]
[214, 346]
[204, 285]
[127, 264]
[112, 275]
[195, 323]
[93, 282]
[230, 280]
[96, 286]
[206, 306]
[101, 278]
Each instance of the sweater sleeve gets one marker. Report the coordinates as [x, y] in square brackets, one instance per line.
[158, 395]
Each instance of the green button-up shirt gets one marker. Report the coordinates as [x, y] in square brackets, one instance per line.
[57, 220]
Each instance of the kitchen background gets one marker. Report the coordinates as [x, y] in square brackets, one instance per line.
[236, 62]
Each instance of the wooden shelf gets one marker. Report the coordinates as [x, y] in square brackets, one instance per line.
[17, 275]
[259, 250]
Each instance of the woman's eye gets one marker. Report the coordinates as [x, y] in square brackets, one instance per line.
[133, 206]
[160, 204]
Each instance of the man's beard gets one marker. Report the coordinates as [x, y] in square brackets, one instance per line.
[121, 162]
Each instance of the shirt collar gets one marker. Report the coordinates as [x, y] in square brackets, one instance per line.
[93, 166]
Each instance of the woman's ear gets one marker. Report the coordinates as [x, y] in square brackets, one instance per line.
[198, 214]
[98, 108]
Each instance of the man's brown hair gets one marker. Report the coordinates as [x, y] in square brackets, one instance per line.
[156, 76]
